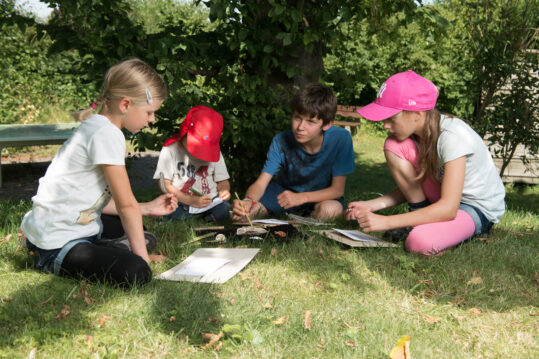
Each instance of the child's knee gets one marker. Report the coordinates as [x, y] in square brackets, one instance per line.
[419, 242]
[138, 272]
[327, 209]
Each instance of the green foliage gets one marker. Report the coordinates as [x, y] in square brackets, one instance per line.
[498, 40]
[31, 81]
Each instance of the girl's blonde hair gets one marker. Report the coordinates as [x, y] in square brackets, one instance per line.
[131, 78]
[428, 152]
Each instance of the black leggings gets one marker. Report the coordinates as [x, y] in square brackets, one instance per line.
[108, 264]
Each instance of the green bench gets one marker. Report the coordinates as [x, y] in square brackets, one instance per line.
[34, 135]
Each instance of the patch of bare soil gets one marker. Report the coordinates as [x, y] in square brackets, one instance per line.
[21, 173]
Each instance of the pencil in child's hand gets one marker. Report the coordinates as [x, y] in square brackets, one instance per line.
[195, 192]
[242, 207]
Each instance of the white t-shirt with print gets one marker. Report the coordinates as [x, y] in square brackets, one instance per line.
[73, 192]
[186, 171]
[483, 187]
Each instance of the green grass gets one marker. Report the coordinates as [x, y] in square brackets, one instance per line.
[362, 300]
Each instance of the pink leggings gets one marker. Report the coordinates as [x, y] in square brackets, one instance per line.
[431, 238]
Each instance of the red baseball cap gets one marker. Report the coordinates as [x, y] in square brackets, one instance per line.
[403, 91]
[204, 128]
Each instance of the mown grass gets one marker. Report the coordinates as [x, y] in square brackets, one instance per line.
[477, 301]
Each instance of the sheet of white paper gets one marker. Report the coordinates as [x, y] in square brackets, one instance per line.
[215, 202]
[237, 257]
[202, 266]
[354, 235]
[269, 221]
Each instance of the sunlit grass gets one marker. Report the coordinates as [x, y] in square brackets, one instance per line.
[480, 300]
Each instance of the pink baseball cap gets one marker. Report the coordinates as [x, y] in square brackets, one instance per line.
[403, 91]
[204, 128]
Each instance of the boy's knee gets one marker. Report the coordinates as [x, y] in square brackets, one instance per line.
[327, 209]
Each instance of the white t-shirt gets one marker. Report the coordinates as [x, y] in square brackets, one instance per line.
[185, 171]
[483, 187]
[74, 191]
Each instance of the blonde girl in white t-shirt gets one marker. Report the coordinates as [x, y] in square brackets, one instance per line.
[87, 180]
[442, 168]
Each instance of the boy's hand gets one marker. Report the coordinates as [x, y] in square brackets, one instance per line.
[237, 209]
[355, 209]
[199, 202]
[224, 195]
[288, 199]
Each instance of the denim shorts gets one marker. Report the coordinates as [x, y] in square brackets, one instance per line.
[50, 260]
[269, 200]
[482, 224]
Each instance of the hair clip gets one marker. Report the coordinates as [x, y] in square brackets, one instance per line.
[93, 105]
[148, 95]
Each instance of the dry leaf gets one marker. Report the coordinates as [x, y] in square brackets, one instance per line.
[63, 313]
[458, 317]
[243, 276]
[88, 300]
[535, 277]
[460, 301]
[307, 321]
[534, 314]
[6, 238]
[527, 294]
[317, 283]
[427, 293]
[430, 319]
[268, 305]
[218, 346]
[350, 344]
[402, 350]
[46, 301]
[322, 253]
[172, 318]
[279, 321]
[32, 354]
[232, 300]
[157, 258]
[475, 311]
[211, 338]
[89, 341]
[102, 320]
[475, 280]
[274, 251]
[350, 326]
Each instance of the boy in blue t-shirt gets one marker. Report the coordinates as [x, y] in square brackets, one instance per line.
[310, 162]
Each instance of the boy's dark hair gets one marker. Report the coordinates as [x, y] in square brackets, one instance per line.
[315, 100]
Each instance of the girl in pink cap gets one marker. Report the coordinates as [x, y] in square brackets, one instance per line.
[441, 166]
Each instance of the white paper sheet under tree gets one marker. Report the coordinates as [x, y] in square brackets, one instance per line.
[225, 263]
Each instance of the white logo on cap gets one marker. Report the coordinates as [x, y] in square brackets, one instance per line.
[411, 102]
[381, 91]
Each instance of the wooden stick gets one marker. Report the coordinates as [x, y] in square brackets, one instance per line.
[242, 207]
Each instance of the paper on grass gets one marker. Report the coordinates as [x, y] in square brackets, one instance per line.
[269, 221]
[202, 266]
[214, 202]
[237, 259]
[354, 235]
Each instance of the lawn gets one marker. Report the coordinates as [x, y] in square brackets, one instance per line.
[480, 300]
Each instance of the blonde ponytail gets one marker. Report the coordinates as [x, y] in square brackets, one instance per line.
[131, 78]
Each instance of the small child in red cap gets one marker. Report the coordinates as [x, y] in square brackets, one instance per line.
[192, 167]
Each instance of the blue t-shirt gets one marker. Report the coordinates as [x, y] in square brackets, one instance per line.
[300, 171]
